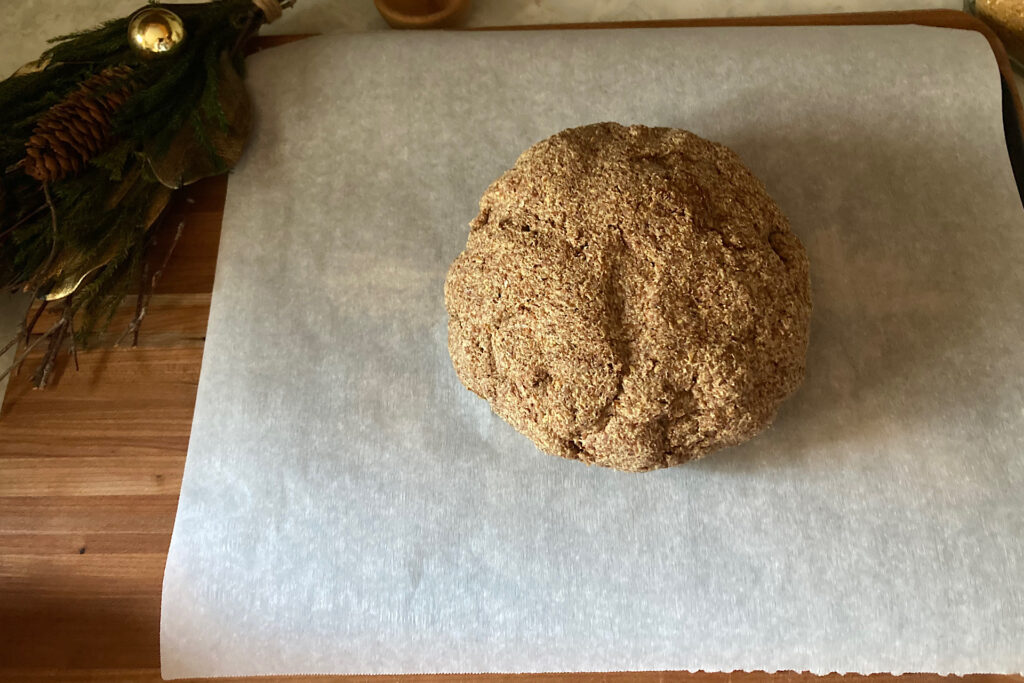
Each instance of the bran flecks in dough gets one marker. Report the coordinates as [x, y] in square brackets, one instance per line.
[630, 297]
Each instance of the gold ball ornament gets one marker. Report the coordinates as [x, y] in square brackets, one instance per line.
[155, 31]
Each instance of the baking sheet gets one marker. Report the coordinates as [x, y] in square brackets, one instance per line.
[347, 507]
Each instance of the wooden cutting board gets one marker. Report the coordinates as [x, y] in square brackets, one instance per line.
[90, 469]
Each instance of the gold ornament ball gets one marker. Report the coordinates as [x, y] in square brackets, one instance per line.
[155, 31]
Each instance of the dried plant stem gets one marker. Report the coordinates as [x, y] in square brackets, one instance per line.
[24, 354]
[45, 370]
[35, 318]
[71, 336]
[24, 219]
[53, 223]
[11, 343]
[21, 329]
[142, 303]
[246, 33]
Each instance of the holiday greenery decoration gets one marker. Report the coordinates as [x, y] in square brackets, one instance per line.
[96, 136]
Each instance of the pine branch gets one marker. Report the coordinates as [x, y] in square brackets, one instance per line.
[99, 134]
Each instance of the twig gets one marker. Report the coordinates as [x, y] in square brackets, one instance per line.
[71, 331]
[140, 298]
[74, 348]
[42, 376]
[140, 311]
[35, 318]
[167, 258]
[24, 354]
[132, 326]
[53, 216]
[140, 301]
[11, 343]
[246, 32]
[21, 221]
[21, 328]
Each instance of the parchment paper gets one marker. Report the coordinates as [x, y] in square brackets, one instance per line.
[348, 507]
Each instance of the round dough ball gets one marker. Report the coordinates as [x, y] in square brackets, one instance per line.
[630, 297]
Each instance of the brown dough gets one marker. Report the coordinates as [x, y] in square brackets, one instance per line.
[630, 297]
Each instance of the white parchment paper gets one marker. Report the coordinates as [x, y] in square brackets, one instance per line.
[348, 507]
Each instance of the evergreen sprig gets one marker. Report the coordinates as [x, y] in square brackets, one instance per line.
[96, 225]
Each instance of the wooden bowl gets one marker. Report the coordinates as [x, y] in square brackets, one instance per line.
[421, 13]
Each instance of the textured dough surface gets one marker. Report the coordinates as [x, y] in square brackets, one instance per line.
[630, 297]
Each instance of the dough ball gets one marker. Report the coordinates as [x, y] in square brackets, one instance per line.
[630, 297]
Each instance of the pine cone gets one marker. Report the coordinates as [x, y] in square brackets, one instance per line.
[78, 127]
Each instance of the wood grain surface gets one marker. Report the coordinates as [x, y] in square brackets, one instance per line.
[90, 471]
